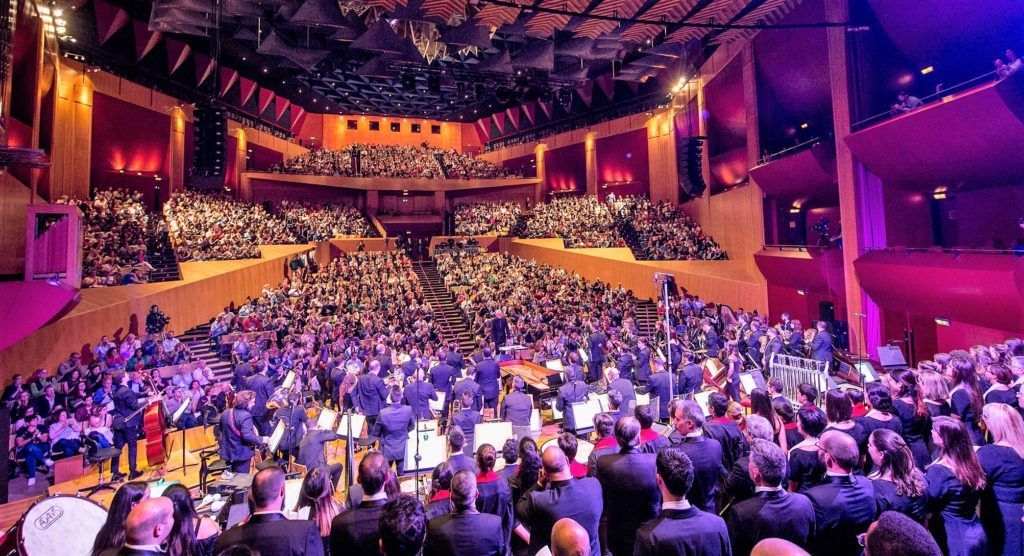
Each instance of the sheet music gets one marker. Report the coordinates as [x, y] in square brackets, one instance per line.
[584, 412]
[289, 379]
[326, 419]
[358, 421]
[494, 433]
[433, 451]
[554, 365]
[702, 400]
[437, 405]
[747, 382]
[643, 399]
[276, 436]
[181, 410]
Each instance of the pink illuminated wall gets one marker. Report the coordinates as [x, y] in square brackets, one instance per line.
[129, 147]
[565, 169]
[262, 158]
[622, 163]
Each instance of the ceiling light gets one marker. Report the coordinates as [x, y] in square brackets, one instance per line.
[803, 125]
[941, 321]
[927, 70]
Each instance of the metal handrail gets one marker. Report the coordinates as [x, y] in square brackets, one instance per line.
[959, 87]
[951, 250]
[768, 157]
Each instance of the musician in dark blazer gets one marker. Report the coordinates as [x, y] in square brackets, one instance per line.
[356, 531]
[795, 343]
[773, 346]
[499, 329]
[737, 484]
[562, 496]
[442, 377]
[625, 365]
[596, 343]
[844, 505]
[468, 384]
[465, 531]
[821, 345]
[370, 394]
[383, 358]
[127, 420]
[625, 387]
[417, 395]
[488, 376]
[467, 418]
[268, 531]
[393, 426]
[517, 407]
[710, 341]
[413, 364]
[146, 529]
[631, 495]
[705, 453]
[457, 458]
[772, 511]
[296, 423]
[455, 359]
[311, 452]
[680, 528]
[238, 437]
[691, 377]
[642, 355]
[263, 388]
[574, 391]
[660, 385]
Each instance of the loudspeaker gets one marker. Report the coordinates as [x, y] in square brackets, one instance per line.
[689, 163]
[826, 311]
[210, 137]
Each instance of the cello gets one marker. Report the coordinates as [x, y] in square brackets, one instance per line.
[154, 427]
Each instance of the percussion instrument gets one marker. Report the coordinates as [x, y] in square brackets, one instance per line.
[65, 525]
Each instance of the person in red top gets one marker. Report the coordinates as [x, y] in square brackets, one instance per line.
[440, 493]
[569, 446]
[857, 397]
[647, 433]
[604, 426]
[495, 496]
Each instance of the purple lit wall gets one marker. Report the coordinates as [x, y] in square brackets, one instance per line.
[262, 158]
[565, 169]
[622, 166]
[129, 148]
[525, 165]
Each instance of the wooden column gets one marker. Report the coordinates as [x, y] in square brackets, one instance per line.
[538, 190]
[71, 145]
[661, 158]
[176, 153]
[590, 144]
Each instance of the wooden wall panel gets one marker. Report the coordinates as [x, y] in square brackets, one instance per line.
[331, 131]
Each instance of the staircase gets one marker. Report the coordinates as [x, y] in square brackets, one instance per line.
[453, 325]
[440, 164]
[647, 318]
[633, 240]
[198, 341]
[520, 226]
[161, 256]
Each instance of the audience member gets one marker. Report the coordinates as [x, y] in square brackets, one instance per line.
[146, 529]
[465, 531]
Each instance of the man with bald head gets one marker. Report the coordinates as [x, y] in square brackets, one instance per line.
[146, 528]
[465, 531]
[268, 530]
[777, 547]
[568, 538]
[560, 497]
[844, 505]
[630, 489]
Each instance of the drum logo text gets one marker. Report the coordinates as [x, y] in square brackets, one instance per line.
[49, 517]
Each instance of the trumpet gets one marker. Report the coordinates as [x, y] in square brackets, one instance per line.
[456, 407]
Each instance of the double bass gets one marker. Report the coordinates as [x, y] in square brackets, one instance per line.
[154, 427]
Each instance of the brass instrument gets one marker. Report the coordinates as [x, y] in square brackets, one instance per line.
[455, 408]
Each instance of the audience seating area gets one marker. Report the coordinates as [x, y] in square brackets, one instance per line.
[389, 161]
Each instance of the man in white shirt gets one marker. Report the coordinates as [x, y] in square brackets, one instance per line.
[170, 342]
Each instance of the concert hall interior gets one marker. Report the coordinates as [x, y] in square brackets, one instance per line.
[511, 277]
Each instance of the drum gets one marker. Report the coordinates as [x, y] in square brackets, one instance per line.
[64, 525]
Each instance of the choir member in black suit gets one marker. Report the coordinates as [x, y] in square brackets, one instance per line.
[370, 395]
[499, 329]
[126, 424]
[739, 485]
[146, 529]
[912, 412]
[805, 468]
[628, 484]
[965, 398]
[238, 435]
[604, 428]
[457, 458]
[650, 440]
[680, 528]
[494, 495]
[357, 529]
[705, 453]
[724, 429]
[561, 497]
[899, 485]
[468, 384]
[775, 387]
[691, 376]
[417, 395]
[806, 395]
[624, 387]
[517, 407]
[467, 419]
[402, 527]
[509, 453]
[268, 530]
[660, 385]
[955, 483]
[844, 505]
[1003, 462]
[772, 511]
[465, 531]
[488, 376]
[596, 343]
[895, 533]
[393, 426]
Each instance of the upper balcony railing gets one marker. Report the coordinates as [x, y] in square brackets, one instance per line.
[937, 95]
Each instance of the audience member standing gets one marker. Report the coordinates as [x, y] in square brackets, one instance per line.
[465, 531]
[955, 483]
[631, 494]
[844, 505]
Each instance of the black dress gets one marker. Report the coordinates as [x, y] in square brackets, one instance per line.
[871, 424]
[954, 523]
[960, 403]
[1001, 503]
[915, 430]
[858, 433]
[938, 409]
[1008, 397]
[888, 499]
[805, 469]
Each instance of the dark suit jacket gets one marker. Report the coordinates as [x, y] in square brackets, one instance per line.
[711, 343]
[569, 394]
[464, 534]
[263, 387]
[274, 535]
[370, 395]
[579, 499]
[729, 435]
[690, 531]
[499, 331]
[488, 374]
[708, 470]
[44, 407]
[643, 364]
[393, 426]
[356, 531]
[690, 378]
[442, 376]
[126, 401]
[461, 461]
[517, 408]
[738, 484]
[843, 508]
[495, 498]
[659, 385]
[467, 385]
[297, 421]
[625, 388]
[237, 437]
[821, 347]
[595, 345]
[631, 495]
[311, 448]
[779, 514]
[625, 366]
[417, 396]
[456, 361]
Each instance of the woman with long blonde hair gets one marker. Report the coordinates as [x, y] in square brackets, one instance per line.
[1003, 463]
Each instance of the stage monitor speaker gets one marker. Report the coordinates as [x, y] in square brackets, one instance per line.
[689, 163]
[826, 311]
[210, 137]
[891, 357]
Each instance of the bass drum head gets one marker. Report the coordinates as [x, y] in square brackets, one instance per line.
[60, 526]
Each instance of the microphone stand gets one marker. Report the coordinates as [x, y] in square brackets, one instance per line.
[665, 280]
